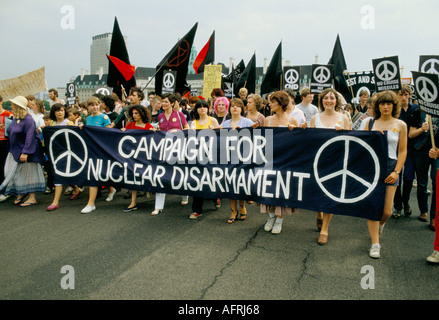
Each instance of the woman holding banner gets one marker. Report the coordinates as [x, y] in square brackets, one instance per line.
[141, 121]
[24, 173]
[170, 120]
[201, 121]
[58, 117]
[386, 111]
[329, 117]
[279, 101]
[237, 121]
[254, 104]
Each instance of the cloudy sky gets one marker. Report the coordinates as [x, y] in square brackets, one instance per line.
[33, 34]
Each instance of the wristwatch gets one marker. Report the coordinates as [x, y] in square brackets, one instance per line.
[397, 172]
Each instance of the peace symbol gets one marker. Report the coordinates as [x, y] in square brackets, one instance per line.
[388, 72]
[71, 88]
[426, 89]
[291, 76]
[430, 66]
[168, 80]
[68, 154]
[103, 91]
[321, 74]
[344, 172]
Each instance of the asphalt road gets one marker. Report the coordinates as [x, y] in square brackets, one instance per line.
[117, 255]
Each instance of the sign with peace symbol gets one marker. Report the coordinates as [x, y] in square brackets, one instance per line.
[106, 91]
[427, 91]
[71, 94]
[429, 64]
[321, 77]
[387, 75]
[169, 81]
[349, 179]
[67, 163]
[291, 78]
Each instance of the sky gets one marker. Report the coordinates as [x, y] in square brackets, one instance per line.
[57, 34]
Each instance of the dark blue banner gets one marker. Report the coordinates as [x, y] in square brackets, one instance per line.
[316, 169]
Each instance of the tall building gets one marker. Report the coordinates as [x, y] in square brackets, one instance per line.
[99, 48]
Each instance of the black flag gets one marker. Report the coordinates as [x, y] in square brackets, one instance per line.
[248, 77]
[120, 71]
[272, 79]
[206, 55]
[177, 60]
[337, 59]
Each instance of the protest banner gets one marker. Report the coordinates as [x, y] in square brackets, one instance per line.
[427, 92]
[211, 79]
[337, 172]
[291, 78]
[26, 84]
[387, 75]
[70, 94]
[169, 81]
[321, 77]
[429, 64]
[359, 81]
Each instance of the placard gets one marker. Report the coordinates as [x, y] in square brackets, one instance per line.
[321, 77]
[387, 75]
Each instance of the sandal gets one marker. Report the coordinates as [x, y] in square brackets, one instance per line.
[28, 204]
[19, 200]
[233, 216]
[242, 212]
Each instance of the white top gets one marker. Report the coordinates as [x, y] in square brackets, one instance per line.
[298, 115]
[319, 124]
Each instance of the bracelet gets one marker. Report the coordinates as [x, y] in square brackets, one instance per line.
[397, 172]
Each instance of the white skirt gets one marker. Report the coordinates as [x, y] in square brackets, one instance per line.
[22, 178]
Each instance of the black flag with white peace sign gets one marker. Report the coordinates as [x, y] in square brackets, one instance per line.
[387, 75]
[427, 90]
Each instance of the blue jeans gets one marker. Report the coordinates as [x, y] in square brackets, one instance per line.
[402, 195]
[423, 165]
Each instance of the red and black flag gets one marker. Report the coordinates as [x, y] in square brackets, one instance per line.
[337, 59]
[177, 60]
[120, 71]
[248, 77]
[206, 55]
[273, 76]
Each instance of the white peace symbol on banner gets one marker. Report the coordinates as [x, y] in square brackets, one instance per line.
[344, 172]
[103, 91]
[389, 70]
[68, 154]
[291, 76]
[168, 80]
[430, 66]
[321, 74]
[426, 89]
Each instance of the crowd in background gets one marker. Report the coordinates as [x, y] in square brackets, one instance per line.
[25, 169]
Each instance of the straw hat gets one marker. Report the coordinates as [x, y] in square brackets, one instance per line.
[20, 101]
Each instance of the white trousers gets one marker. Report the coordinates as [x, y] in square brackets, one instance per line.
[160, 200]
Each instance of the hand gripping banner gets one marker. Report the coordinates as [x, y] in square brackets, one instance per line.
[315, 169]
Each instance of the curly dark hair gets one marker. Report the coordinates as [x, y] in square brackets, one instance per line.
[109, 102]
[144, 113]
[55, 107]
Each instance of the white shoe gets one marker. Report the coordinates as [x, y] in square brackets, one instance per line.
[375, 251]
[434, 257]
[156, 212]
[111, 195]
[277, 228]
[88, 209]
[4, 198]
[269, 224]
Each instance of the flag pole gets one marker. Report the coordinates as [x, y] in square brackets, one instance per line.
[352, 91]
